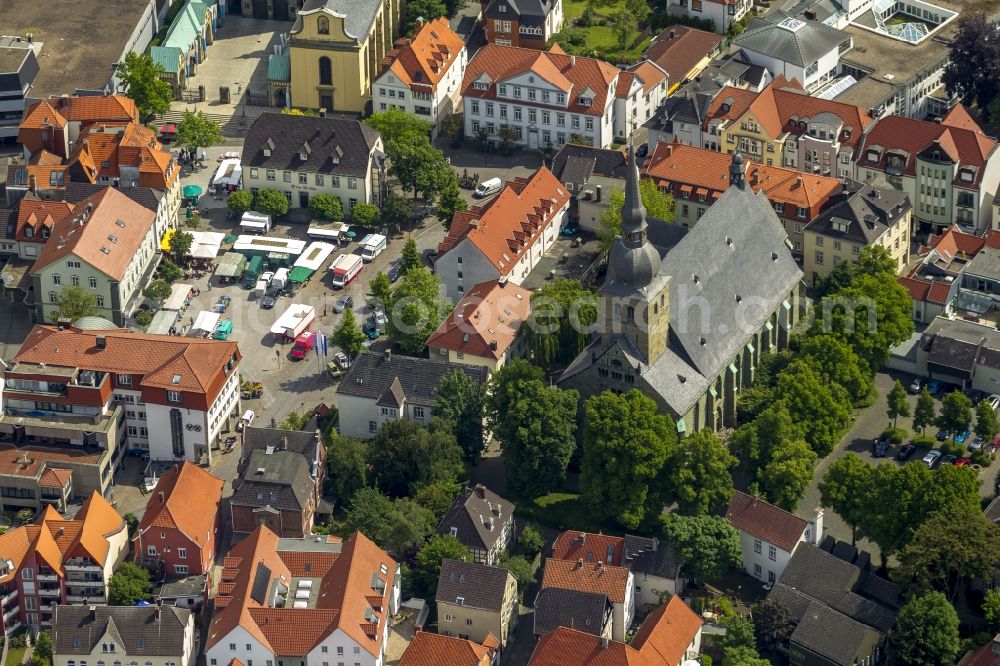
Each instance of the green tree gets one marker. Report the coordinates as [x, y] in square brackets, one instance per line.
[846, 488]
[197, 131]
[522, 570]
[409, 259]
[562, 314]
[129, 584]
[530, 541]
[427, 565]
[898, 404]
[640, 9]
[788, 473]
[626, 444]
[143, 318]
[295, 420]
[365, 214]
[75, 302]
[395, 212]
[538, 436]
[349, 336]
[971, 73]
[925, 413]
[991, 609]
[326, 207]
[42, 651]
[872, 260]
[956, 413]
[987, 426]
[139, 75]
[503, 389]
[170, 271]
[451, 126]
[743, 656]
[836, 361]
[658, 204]
[404, 456]
[157, 291]
[438, 496]
[418, 165]
[415, 309]
[368, 512]
[459, 400]
[950, 545]
[773, 624]
[450, 201]
[739, 633]
[240, 201]
[427, 10]
[623, 27]
[408, 528]
[508, 136]
[347, 463]
[270, 202]
[926, 632]
[180, 244]
[754, 441]
[706, 545]
[396, 124]
[698, 473]
[822, 408]
[132, 522]
[381, 288]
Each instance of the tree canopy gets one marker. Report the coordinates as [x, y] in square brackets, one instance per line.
[197, 131]
[140, 76]
[459, 400]
[365, 214]
[405, 455]
[327, 207]
[240, 201]
[75, 302]
[698, 473]
[707, 545]
[971, 72]
[659, 206]
[822, 408]
[270, 202]
[129, 584]
[347, 464]
[157, 291]
[562, 313]
[415, 309]
[845, 488]
[956, 413]
[349, 336]
[427, 566]
[926, 632]
[409, 258]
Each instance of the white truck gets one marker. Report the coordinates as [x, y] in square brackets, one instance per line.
[255, 223]
[260, 289]
[344, 269]
[372, 246]
[280, 279]
[293, 321]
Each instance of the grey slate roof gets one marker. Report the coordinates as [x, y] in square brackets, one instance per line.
[370, 375]
[359, 13]
[867, 209]
[304, 442]
[576, 164]
[832, 634]
[801, 47]
[146, 197]
[189, 586]
[479, 519]
[528, 12]
[478, 585]
[654, 558]
[333, 146]
[8, 219]
[985, 264]
[961, 345]
[583, 611]
[76, 630]
[280, 480]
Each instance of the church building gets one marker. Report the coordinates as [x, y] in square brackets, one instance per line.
[688, 329]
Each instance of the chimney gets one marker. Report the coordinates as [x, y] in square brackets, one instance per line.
[817, 526]
[388, 355]
[605, 642]
[283, 444]
[583, 538]
[597, 193]
[163, 499]
[673, 33]
[156, 611]
[93, 611]
[600, 565]
[481, 490]
[101, 342]
[63, 323]
[579, 563]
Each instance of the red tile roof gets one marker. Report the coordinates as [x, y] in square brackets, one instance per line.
[963, 141]
[120, 145]
[425, 59]
[486, 321]
[554, 648]
[765, 521]
[39, 214]
[507, 226]
[607, 579]
[679, 164]
[428, 649]
[649, 73]
[987, 655]
[679, 48]
[952, 242]
[931, 291]
[667, 632]
[571, 74]
[574, 545]
[55, 478]
[187, 499]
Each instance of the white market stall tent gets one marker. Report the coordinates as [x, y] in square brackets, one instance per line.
[206, 322]
[178, 297]
[206, 244]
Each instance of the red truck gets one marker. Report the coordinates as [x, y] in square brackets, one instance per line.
[303, 343]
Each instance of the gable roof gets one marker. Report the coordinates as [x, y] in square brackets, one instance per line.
[280, 479]
[667, 632]
[336, 146]
[423, 60]
[987, 655]
[576, 164]
[765, 521]
[807, 43]
[556, 607]
[486, 321]
[106, 230]
[506, 227]
[370, 375]
[533, 10]
[429, 649]
[477, 585]
[478, 515]
[187, 499]
[38, 214]
[149, 630]
[607, 579]
[679, 48]
[646, 72]
[571, 74]
[575, 545]
[868, 210]
[587, 650]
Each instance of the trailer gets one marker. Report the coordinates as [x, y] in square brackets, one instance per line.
[293, 321]
[335, 233]
[310, 261]
[227, 176]
[262, 246]
[372, 246]
[253, 272]
[344, 269]
[255, 223]
[280, 279]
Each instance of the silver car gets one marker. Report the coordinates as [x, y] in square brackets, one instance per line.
[932, 457]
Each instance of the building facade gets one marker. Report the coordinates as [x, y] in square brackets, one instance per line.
[483, 521]
[18, 69]
[769, 535]
[640, 91]
[276, 490]
[475, 601]
[722, 13]
[335, 49]
[158, 636]
[524, 24]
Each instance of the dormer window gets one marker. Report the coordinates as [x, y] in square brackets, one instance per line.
[966, 175]
[874, 155]
[503, 9]
[29, 232]
[586, 101]
[481, 85]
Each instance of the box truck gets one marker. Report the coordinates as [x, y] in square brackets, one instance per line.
[344, 269]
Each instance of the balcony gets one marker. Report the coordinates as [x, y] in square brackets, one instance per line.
[81, 565]
[91, 599]
[11, 628]
[48, 592]
[47, 578]
[46, 608]
[9, 613]
[8, 598]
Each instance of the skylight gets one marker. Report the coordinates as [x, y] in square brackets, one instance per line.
[176, 379]
[792, 24]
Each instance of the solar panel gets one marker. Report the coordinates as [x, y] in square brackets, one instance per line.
[260, 583]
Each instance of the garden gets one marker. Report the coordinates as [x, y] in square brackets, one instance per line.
[617, 31]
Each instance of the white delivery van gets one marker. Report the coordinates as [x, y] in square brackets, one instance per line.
[255, 223]
[488, 188]
[372, 246]
[260, 289]
[280, 279]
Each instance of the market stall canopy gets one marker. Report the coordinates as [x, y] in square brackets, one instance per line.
[178, 296]
[206, 244]
[167, 237]
[231, 265]
[300, 274]
[192, 191]
[206, 321]
[162, 322]
[168, 129]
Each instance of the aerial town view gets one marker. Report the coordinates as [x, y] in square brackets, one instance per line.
[499, 332]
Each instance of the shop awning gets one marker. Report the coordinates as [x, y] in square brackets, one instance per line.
[300, 274]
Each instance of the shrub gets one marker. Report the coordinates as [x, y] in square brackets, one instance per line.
[926, 441]
[950, 448]
[898, 435]
[143, 318]
[530, 541]
[982, 458]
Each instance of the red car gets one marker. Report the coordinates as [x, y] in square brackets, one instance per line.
[962, 462]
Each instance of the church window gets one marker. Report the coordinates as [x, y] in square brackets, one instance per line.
[325, 72]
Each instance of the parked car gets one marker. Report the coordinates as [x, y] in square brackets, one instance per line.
[976, 444]
[963, 462]
[961, 437]
[932, 458]
[906, 452]
[881, 446]
[393, 272]
[941, 435]
[949, 460]
[994, 401]
[934, 386]
[993, 446]
[370, 329]
[246, 420]
[340, 358]
[974, 395]
[267, 302]
[380, 319]
[343, 303]
[266, 276]
[916, 385]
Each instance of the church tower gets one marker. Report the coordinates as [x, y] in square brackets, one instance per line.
[636, 296]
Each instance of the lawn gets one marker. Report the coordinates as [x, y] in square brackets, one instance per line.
[563, 511]
[601, 38]
[15, 656]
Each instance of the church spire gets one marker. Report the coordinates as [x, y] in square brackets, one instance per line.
[633, 212]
